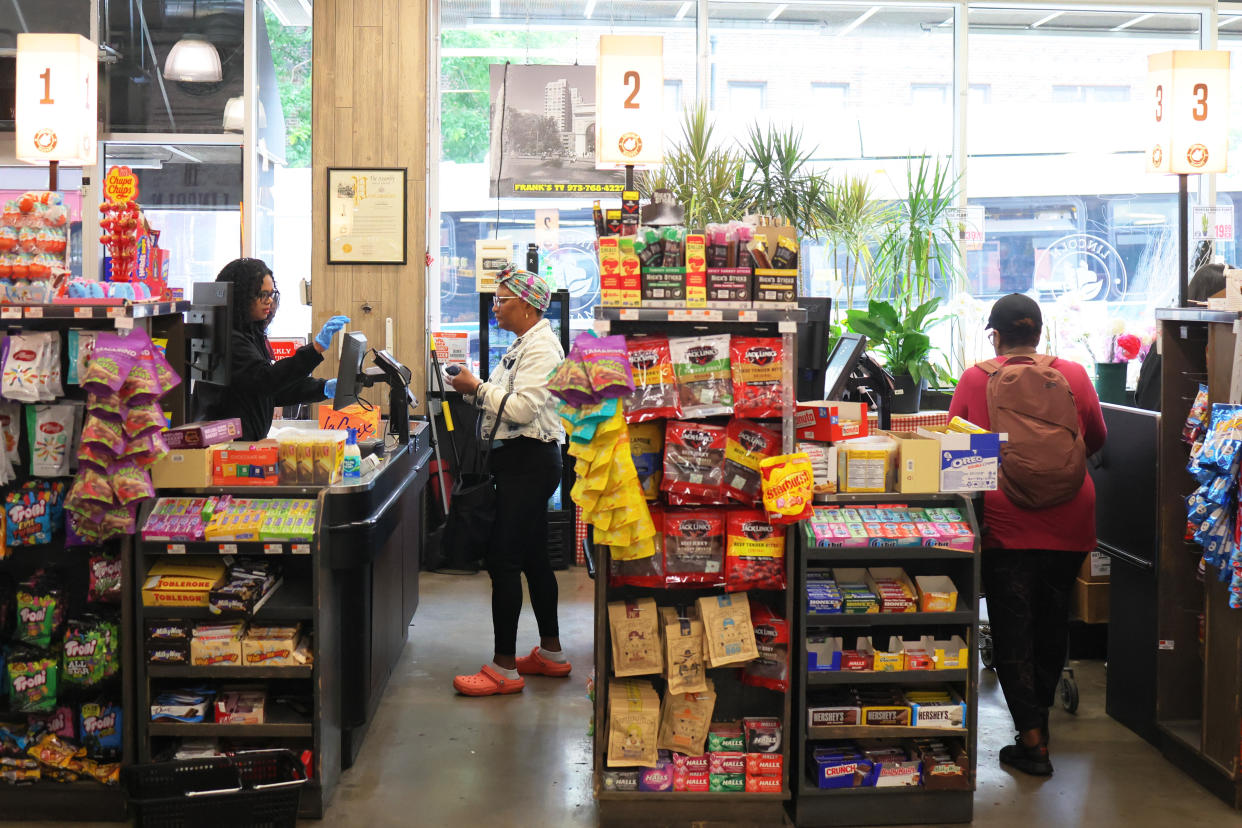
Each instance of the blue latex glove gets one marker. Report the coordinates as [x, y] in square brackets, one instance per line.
[329, 330]
[329, 388]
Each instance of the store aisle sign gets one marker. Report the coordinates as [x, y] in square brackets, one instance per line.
[56, 79]
[1211, 223]
[629, 95]
[1188, 100]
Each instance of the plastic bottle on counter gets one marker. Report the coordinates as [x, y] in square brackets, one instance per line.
[351, 466]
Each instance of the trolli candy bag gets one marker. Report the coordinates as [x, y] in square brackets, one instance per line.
[703, 376]
[757, 365]
[40, 610]
[656, 394]
[33, 680]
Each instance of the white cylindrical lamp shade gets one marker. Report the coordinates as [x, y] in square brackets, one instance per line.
[193, 60]
[235, 115]
[56, 103]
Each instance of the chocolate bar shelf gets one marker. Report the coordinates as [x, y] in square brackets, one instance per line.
[181, 672]
[825, 678]
[820, 620]
[280, 724]
[813, 806]
[288, 602]
[231, 547]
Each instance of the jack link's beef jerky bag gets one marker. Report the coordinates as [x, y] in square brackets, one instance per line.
[703, 375]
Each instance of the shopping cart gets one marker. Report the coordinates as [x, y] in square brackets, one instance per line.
[250, 789]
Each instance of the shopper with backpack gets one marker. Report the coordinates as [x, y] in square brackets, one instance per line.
[1039, 524]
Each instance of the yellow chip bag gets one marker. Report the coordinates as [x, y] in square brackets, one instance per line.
[788, 487]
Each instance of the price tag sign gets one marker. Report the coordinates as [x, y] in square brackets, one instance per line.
[83, 313]
[747, 316]
[228, 549]
[1188, 99]
[10, 312]
[629, 101]
[1211, 223]
[34, 313]
[176, 549]
[301, 549]
[967, 224]
[273, 549]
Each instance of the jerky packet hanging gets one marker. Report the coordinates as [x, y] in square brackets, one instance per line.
[748, 443]
[656, 394]
[694, 455]
[694, 547]
[757, 365]
[703, 375]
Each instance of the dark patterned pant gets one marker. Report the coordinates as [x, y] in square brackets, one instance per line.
[1028, 594]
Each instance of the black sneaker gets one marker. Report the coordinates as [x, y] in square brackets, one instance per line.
[1032, 760]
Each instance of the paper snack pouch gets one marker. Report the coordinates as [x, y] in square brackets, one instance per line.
[727, 626]
[635, 637]
[685, 719]
[788, 487]
[757, 365]
[656, 394]
[703, 376]
[633, 723]
[682, 633]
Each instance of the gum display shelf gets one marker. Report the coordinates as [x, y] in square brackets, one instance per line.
[637, 808]
[819, 620]
[825, 678]
[290, 602]
[263, 548]
[178, 671]
[280, 724]
[813, 806]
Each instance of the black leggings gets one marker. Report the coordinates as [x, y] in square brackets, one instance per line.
[527, 472]
[1028, 593]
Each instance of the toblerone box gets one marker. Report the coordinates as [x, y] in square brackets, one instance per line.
[696, 270]
[610, 271]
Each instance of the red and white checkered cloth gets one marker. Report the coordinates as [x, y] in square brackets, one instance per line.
[580, 534]
[911, 422]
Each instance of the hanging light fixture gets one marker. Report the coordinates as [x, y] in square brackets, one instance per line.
[194, 60]
[235, 115]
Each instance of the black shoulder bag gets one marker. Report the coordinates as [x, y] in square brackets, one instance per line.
[472, 509]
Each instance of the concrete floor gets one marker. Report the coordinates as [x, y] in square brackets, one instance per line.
[434, 758]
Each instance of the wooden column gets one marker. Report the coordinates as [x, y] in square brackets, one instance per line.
[369, 109]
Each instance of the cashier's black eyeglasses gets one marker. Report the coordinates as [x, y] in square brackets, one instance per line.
[264, 295]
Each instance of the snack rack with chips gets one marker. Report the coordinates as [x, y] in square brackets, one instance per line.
[65, 623]
[885, 729]
[667, 671]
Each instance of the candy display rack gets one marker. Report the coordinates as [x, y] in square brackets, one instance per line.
[734, 700]
[311, 722]
[87, 800]
[814, 806]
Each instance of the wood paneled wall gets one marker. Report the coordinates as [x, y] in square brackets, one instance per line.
[369, 109]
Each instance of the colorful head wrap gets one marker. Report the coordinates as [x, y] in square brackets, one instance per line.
[531, 288]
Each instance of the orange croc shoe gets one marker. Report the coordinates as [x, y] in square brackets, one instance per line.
[487, 682]
[535, 664]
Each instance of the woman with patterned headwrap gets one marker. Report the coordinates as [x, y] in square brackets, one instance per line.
[526, 463]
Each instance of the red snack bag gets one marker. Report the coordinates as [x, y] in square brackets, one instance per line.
[747, 444]
[694, 455]
[694, 547]
[655, 395]
[675, 499]
[758, 365]
[771, 668]
[755, 554]
[643, 572]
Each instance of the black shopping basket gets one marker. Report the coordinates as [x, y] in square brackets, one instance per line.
[250, 789]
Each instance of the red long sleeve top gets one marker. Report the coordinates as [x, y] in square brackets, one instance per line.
[1069, 526]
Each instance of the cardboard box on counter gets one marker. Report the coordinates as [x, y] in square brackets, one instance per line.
[183, 469]
[918, 463]
[968, 462]
[201, 435]
[827, 421]
[246, 464]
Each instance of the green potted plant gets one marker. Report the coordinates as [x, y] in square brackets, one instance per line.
[902, 342]
[705, 177]
[852, 222]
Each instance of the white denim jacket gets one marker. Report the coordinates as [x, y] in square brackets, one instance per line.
[524, 370]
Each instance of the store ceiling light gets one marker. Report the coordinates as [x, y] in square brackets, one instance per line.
[235, 115]
[589, 10]
[193, 60]
[1041, 21]
[1133, 21]
[777, 12]
[858, 21]
[684, 10]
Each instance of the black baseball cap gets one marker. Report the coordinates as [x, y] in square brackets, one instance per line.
[1016, 313]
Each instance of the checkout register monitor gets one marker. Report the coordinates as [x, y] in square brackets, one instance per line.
[842, 362]
[349, 372]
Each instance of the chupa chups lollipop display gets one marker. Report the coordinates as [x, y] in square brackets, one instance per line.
[119, 223]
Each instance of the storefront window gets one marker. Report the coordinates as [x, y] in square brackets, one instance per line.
[1056, 159]
[1229, 185]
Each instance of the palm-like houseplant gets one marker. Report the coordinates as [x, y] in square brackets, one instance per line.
[704, 176]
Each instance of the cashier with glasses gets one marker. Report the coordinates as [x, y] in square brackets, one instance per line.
[258, 382]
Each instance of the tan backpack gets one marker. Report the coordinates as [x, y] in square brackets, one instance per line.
[1044, 462]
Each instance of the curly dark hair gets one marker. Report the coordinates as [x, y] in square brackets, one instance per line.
[247, 278]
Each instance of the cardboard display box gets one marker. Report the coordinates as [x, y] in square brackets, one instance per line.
[1096, 568]
[1090, 602]
[827, 421]
[968, 462]
[918, 463]
[182, 469]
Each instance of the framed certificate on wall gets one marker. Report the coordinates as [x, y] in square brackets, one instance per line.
[366, 215]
